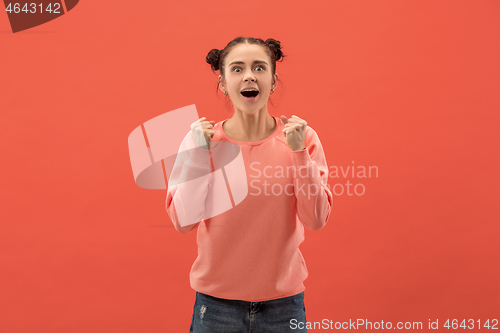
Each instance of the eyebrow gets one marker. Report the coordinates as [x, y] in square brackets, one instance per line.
[242, 63]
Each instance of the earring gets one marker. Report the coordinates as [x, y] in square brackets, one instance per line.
[225, 94]
[272, 91]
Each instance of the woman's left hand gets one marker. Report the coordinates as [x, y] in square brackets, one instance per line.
[295, 132]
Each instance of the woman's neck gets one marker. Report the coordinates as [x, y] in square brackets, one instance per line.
[249, 128]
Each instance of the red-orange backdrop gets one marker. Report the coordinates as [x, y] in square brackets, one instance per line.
[409, 87]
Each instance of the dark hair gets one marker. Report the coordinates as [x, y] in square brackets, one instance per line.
[217, 57]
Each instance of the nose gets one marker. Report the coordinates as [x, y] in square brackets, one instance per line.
[249, 76]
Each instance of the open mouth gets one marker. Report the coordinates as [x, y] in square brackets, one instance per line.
[250, 93]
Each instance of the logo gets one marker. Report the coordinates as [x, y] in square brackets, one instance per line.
[25, 15]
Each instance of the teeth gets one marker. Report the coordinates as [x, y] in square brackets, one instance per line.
[249, 90]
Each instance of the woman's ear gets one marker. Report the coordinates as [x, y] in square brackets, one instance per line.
[221, 82]
[275, 81]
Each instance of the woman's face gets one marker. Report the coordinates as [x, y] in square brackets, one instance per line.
[248, 66]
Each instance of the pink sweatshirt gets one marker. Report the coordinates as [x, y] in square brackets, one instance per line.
[251, 251]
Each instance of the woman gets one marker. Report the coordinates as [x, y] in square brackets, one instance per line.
[249, 272]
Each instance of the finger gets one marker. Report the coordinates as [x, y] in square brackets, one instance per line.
[297, 119]
[288, 130]
[301, 125]
[195, 123]
[199, 121]
[209, 123]
[283, 119]
[293, 124]
[294, 127]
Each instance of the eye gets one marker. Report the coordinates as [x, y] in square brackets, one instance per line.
[261, 67]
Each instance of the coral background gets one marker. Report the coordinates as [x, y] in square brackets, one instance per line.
[411, 87]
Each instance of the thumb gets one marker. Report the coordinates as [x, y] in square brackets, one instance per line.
[284, 120]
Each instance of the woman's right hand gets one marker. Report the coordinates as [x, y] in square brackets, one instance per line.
[203, 132]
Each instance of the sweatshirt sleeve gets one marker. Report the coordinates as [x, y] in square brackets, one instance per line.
[314, 198]
[188, 186]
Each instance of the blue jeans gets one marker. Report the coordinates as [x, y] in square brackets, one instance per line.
[219, 315]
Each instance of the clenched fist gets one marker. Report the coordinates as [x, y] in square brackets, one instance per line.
[203, 132]
[295, 132]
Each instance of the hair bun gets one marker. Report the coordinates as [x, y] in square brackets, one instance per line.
[213, 58]
[275, 46]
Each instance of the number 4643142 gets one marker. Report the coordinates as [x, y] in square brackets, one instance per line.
[453, 324]
[33, 8]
